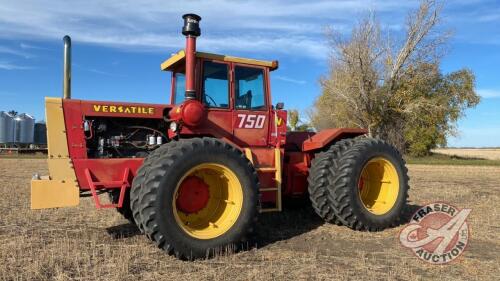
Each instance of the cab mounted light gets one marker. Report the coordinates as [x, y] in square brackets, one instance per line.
[173, 126]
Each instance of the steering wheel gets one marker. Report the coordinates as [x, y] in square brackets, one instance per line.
[211, 100]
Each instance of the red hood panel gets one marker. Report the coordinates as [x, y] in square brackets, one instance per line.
[120, 109]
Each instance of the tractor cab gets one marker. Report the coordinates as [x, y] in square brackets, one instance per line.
[251, 77]
[235, 95]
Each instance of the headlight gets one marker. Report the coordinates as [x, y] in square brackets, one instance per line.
[173, 126]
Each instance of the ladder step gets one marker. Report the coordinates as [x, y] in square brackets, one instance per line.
[277, 169]
[266, 169]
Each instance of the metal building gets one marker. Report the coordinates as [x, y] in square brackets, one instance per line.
[24, 127]
[40, 133]
[6, 128]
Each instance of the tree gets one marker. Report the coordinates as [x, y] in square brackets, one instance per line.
[395, 88]
[293, 119]
[13, 113]
[294, 122]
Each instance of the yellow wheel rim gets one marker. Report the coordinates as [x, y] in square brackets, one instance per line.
[222, 207]
[379, 186]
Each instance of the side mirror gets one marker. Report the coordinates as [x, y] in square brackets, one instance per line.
[280, 105]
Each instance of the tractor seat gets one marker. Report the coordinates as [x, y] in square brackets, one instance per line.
[244, 101]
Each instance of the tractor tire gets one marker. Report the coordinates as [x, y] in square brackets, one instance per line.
[321, 175]
[369, 187]
[138, 182]
[200, 198]
[125, 210]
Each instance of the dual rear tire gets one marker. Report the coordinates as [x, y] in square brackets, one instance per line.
[361, 183]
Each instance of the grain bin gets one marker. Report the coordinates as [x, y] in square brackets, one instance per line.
[6, 128]
[24, 127]
[40, 133]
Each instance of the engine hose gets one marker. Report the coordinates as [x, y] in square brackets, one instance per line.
[136, 146]
[148, 128]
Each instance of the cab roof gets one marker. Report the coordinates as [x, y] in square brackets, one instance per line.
[172, 62]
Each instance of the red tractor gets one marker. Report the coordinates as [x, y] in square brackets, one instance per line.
[193, 175]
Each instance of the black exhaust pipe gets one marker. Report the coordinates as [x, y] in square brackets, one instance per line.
[191, 30]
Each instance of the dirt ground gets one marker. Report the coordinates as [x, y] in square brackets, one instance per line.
[87, 244]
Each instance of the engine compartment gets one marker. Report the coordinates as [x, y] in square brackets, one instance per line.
[111, 137]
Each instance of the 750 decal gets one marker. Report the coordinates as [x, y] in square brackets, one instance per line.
[251, 121]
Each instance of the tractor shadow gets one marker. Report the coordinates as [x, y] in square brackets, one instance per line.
[123, 231]
[408, 213]
[298, 219]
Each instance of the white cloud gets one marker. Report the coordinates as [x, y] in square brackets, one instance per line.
[272, 26]
[489, 93]
[15, 52]
[97, 71]
[288, 79]
[25, 46]
[11, 66]
[489, 18]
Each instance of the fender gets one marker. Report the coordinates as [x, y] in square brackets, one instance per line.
[325, 137]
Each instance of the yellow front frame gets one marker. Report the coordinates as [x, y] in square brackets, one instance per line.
[60, 189]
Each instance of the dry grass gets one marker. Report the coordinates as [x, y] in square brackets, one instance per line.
[483, 153]
[87, 244]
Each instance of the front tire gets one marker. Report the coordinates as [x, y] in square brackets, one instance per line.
[200, 198]
[138, 182]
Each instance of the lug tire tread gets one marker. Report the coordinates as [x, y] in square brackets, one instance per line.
[343, 187]
[160, 167]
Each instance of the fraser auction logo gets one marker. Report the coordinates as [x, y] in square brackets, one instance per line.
[438, 233]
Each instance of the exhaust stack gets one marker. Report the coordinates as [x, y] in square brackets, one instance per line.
[67, 68]
[191, 30]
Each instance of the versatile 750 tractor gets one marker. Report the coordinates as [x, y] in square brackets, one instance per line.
[193, 175]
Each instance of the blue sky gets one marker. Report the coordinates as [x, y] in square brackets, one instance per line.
[118, 46]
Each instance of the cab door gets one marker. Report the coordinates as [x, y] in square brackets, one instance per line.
[251, 105]
[215, 88]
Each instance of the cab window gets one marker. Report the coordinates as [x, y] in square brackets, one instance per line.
[180, 88]
[249, 88]
[215, 90]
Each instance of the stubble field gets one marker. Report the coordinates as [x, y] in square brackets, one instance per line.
[83, 243]
[482, 153]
